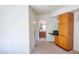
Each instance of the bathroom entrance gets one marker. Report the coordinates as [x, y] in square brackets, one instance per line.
[42, 30]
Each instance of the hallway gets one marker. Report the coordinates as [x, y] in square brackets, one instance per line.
[50, 48]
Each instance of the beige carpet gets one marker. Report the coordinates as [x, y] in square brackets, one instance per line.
[50, 48]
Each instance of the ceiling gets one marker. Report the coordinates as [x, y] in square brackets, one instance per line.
[45, 9]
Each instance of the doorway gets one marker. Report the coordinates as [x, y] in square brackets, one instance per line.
[42, 30]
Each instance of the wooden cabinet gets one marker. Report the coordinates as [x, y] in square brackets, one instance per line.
[65, 27]
[57, 39]
[42, 34]
[62, 41]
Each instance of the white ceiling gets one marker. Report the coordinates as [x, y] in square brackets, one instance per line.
[45, 9]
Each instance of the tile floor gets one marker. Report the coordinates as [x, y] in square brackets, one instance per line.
[43, 47]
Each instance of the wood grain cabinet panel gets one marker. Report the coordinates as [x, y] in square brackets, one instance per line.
[65, 27]
[42, 34]
[57, 39]
[63, 17]
[62, 41]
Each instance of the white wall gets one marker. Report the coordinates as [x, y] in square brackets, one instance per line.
[14, 30]
[64, 10]
[76, 30]
[50, 25]
[32, 28]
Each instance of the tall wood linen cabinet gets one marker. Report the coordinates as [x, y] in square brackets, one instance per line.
[65, 26]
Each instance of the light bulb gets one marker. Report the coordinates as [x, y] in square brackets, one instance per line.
[34, 22]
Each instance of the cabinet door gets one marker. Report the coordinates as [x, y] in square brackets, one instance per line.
[42, 34]
[62, 42]
[63, 18]
[63, 29]
[57, 40]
